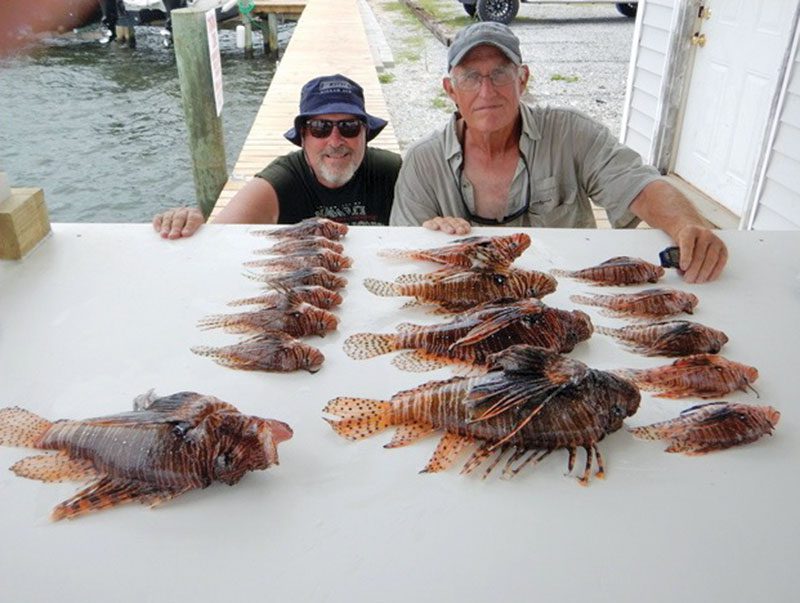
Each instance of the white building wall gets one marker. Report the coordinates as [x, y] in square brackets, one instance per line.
[778, 205]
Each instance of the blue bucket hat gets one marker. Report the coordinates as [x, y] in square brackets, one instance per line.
[333, 94]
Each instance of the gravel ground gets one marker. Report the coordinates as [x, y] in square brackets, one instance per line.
[578, 56]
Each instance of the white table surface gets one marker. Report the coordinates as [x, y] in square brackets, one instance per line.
[100, 313]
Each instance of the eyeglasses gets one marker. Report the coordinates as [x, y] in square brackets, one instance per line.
[322, 128]
[472, 80]
[509, 218]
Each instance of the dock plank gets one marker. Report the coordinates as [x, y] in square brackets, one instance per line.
[316, 48]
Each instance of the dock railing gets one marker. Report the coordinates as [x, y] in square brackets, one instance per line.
[330, 37]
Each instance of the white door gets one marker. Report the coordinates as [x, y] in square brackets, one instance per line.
[732, 84]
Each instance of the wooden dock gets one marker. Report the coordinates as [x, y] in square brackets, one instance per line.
[330, 37]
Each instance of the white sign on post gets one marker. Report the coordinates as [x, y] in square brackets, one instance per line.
[216, 62]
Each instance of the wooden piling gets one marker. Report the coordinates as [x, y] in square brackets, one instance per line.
[203, 125]
[23, 222]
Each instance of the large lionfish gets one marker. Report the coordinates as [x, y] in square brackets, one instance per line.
[310, 227]
[458, 290]
[470, 252]
[712, 426]
[702, 375]
[539, 402]
[311, 294]
[475, 334]
[272, 351]
[669, 338]
[163, 448]
[650, 303]
[622, 270]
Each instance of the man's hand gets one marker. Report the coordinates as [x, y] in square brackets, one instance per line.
[457, 226]
[178, 222]
[703, 254]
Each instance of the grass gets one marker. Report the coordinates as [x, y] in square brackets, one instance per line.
[443, 102]
[557, 77]
[385, 78]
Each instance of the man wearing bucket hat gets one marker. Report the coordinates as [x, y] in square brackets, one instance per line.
[334, 175]
[499, 161]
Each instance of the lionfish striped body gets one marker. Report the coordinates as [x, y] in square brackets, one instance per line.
[298, 320]
[712, 426]
[650, 303]
[310, 227]
[669, 338]
[539, 402]
[321, 277]
[272, 352]
[174, 444]
[476, 334]
[470, 252]
[458, 290]
[310, 294]
[285, 246]
[325, 258]
[622, 270]
[702, 375]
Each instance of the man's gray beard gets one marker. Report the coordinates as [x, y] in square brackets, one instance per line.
[338, 177]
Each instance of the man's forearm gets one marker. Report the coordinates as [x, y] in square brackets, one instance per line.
[663, 206]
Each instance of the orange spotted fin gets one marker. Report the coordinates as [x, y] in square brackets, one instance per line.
[55, 468]
[409, 433]
[20, 427]
[447, 451]
[381, 288]
[416, 361]
[109, 492]
[361, 417]
[368, 345]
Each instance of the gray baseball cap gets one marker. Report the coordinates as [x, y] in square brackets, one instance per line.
[482, 33]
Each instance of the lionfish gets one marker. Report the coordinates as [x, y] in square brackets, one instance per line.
[475, 334]
[702, 375]
[621, 270]
[669, 338]
[650, 303]
[310, 227]
[310, 294]
[459, 290]
[163, 448]
[470, 252]
[539, 402]
[273, 351]
[297, 278]
[712, 426]
[298, 320]
[307, 243]
[309, 258]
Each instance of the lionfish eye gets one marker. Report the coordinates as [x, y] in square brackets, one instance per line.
[618, 411]
[222, 461]
[499, 279]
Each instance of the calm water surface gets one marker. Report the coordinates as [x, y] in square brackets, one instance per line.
[101, 129]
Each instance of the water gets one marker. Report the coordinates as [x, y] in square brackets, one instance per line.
[101, 129]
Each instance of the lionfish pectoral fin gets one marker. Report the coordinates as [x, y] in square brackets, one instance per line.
[447, 450]
[105, 493]
[54, 468]
[409, 433]
[417, 361]
[361, 417]
[20, 427]
[480, 455]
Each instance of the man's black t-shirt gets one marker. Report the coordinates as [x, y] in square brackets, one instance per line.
[365, 200]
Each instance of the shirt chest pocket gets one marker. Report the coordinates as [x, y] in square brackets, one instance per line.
[547, 195]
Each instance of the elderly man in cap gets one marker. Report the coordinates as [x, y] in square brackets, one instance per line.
[500, 162]
[334, 175]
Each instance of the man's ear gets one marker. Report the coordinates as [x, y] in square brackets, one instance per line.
[524, 76]
[447, 84]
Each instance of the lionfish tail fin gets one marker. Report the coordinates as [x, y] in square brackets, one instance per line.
[380, 288]
[368, 345]
[582, 299]
[394, 254]
[20, 427]
[360, 417]
[561, 272]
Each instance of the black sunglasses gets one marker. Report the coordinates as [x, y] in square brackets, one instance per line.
[509, 218]
[322, 128]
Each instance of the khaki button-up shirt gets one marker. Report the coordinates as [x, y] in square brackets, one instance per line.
[571, 159]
